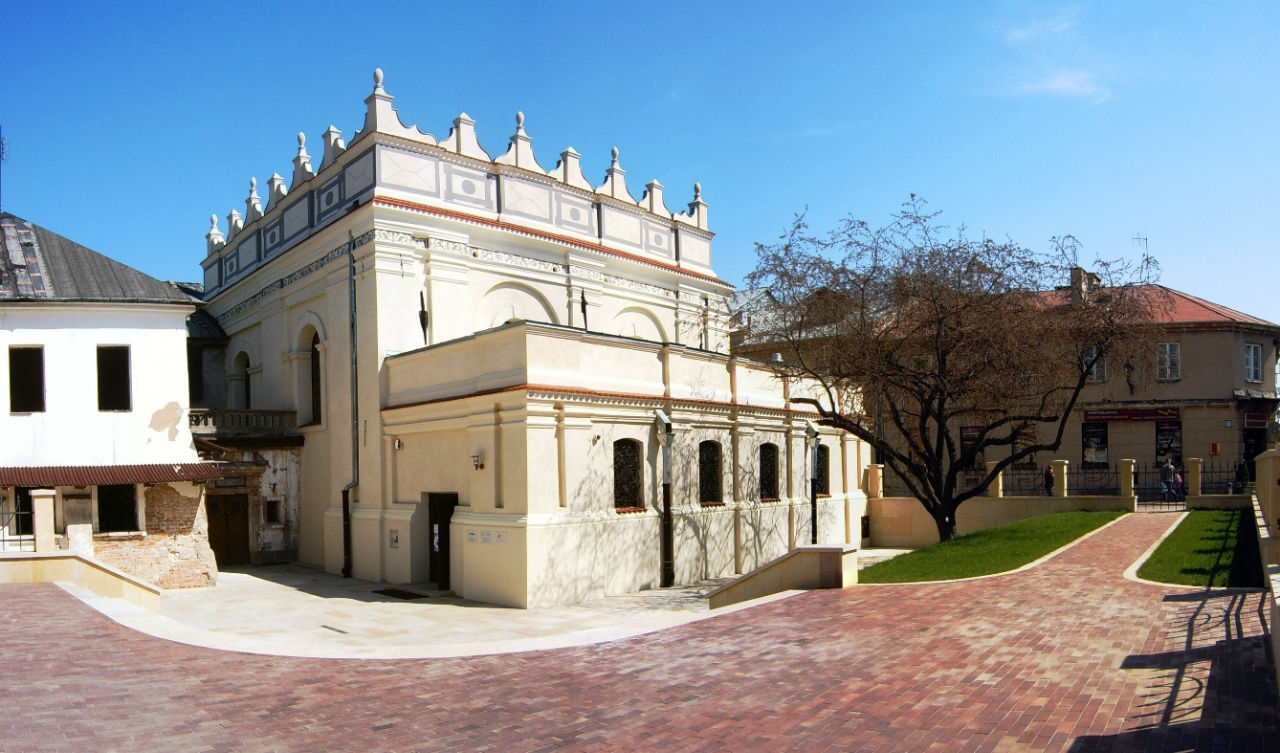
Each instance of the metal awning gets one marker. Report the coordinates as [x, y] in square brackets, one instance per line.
[102, 475]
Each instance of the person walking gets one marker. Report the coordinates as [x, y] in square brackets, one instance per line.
[1048, 481]
[1167, 472]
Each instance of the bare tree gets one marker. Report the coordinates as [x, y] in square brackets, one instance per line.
[913, 330]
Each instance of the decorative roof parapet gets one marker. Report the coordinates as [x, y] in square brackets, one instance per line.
[302, 171]
[253, 204]
[381, 116]
[275, 191]
[520, 153]
[652, 199]
[569, 171]
[462, 139]
[214, 236]
[697, 214]
[333, 146]
[234, 224]
[615, 182]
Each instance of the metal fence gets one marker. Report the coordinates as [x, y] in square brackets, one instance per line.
[17, 530]
[1096, 480]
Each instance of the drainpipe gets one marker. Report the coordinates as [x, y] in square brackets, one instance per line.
[355, 412]
[668, 537]
[811, 429]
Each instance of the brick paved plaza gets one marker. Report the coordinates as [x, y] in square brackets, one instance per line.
[1068, 656]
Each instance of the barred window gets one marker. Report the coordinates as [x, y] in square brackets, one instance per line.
[626, 474]
[822, 470]
[709, 484]
[768, 471]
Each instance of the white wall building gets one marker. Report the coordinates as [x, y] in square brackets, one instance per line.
[475, 348]
[95, 397]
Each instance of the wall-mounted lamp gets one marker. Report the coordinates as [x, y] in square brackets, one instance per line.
[477, 462]
[595, 440]
[398, 443]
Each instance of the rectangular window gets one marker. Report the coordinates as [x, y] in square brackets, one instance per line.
[1169, 441]
[1098, 371]
[1093, 444]
[1168, 361]
[117, 508]
[114, 393]
[1252, 362]
[26, 380]
[969, 436]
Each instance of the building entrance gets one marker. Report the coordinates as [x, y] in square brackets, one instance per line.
[229, 528]
[439, 510]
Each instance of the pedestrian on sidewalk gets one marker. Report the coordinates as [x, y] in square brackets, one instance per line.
[1048, 481]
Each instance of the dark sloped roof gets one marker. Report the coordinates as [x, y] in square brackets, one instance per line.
[202, 326]
[39, 265]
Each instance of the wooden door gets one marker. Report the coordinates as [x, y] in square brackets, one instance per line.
[229, 528]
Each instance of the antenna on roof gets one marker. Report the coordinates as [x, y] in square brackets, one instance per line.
[4, 151]
[1141, 239]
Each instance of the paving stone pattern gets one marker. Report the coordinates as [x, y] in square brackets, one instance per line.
[1067, 656]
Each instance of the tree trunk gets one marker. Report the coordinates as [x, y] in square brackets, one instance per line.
[945, 520]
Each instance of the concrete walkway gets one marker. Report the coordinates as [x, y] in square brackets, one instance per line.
[1068, 655]
[294, 610]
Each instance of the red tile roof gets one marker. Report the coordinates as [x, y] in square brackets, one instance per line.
[1185, 308]
[100, 475]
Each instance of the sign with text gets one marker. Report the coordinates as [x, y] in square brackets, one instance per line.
[1132, 414]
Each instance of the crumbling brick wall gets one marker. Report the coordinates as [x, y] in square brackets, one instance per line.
[174, 552]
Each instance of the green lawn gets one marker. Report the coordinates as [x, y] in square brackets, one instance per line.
[995, 550]
[1210, 548]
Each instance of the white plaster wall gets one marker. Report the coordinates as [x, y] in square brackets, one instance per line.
[71, 430]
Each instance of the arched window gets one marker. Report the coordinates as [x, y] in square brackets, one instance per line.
[709, 486]
[627, 475]
[315, 378]
[768, 471]
[822, 470]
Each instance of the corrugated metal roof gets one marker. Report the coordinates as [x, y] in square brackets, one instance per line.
[40, 265]
[101, 475]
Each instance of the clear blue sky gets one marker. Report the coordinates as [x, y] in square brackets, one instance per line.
[128, 124]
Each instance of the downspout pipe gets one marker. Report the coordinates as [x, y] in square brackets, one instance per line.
[668, 536]
[355, 411]
[811, 429]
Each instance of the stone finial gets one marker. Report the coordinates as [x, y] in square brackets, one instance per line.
[652, 199]
[253, 204]
[615, 182]
[275, 190]
[214, 236]
[302, 171]
[569, 171]
[462, 139]
[520, 153]
[234, 224]
[333, 146]
[379, 115]
[697, 214]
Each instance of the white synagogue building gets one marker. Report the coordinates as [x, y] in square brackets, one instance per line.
[490, 363]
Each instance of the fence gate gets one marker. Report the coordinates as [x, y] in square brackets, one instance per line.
[1154, 495]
